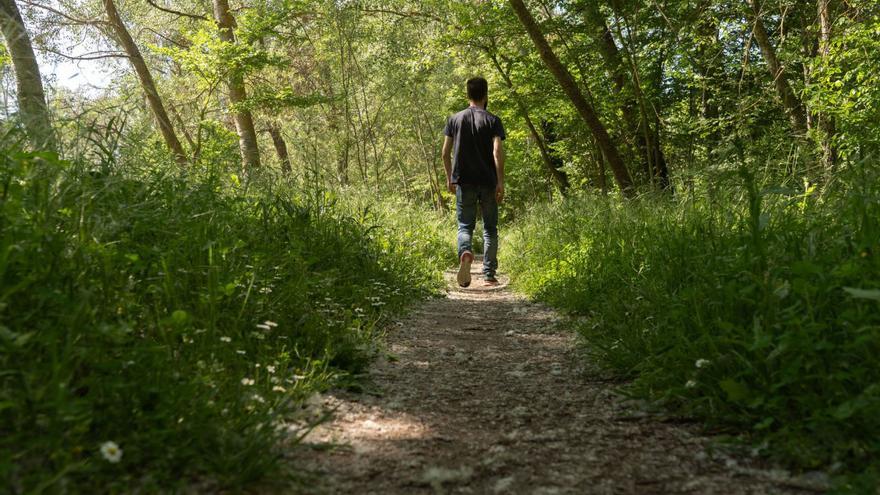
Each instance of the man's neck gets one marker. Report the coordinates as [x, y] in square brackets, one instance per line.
[476, 104]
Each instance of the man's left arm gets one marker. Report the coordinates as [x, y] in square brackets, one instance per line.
[498, 153]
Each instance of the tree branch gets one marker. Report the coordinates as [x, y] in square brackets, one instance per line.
[401, 14]
[87, 56]
[76, 20]
[185, 45]
[177, 12]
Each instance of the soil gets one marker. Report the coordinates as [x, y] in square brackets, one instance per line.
[482, 391]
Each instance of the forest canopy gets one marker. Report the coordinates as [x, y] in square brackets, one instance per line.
[355, 93]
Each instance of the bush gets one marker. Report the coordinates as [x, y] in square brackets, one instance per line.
[751, 308]
[183, 315]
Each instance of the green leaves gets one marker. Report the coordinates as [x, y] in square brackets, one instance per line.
[661, 286]
[173, 313]
[14, 339]
[870, 294]
[736, 391]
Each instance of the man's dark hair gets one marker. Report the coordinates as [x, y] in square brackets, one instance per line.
[477, 89]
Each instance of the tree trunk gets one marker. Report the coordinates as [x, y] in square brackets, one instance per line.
[569, 85]
[560, 177]
[280, 147]
[661, 169]
[186, 135]
[429, 156]
[32, 108]
[790, 102]
[244, 121]
[826, 122]
[614, 66]
[707, 48]
[647, 140]
[600, 170]
[146, 79]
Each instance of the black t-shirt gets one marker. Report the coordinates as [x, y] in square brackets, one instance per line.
[473, 131]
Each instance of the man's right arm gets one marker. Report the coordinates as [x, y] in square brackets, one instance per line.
[447, 163]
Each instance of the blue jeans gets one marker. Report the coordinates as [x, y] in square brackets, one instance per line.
[466, 199]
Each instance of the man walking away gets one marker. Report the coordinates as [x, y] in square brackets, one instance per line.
[474, 161]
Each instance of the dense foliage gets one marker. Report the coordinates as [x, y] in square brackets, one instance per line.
[184, 316]
[751, 305]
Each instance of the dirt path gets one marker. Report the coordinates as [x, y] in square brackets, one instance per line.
[485, 394]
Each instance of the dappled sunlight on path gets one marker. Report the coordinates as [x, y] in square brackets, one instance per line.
[484, 392]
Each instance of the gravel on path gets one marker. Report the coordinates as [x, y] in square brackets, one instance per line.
[483, 392]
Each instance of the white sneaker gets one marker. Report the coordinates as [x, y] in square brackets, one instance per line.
[464, 269]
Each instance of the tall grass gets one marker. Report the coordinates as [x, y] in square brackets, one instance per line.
[417, 234]
[751, 306]
[185, 316]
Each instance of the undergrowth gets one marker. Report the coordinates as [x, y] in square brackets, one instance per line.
[184, 315]
[750, 305]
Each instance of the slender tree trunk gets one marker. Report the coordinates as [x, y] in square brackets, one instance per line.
[244, 121]
[633, 106]
[343, 159]
[186, 135]
[560, 177]
[826, 122]
[569, 85]
[280, 147]
[614, 67]
[32, 108]
[707, 48]
[600, 170]
[429, 157]
[344, 156]
[146, 79]
[790, 102]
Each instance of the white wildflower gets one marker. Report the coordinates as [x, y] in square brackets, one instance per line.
[279, 388]
[225, 339]
[247, 381]
[111, 452]
[691, 384]
[263, 326]
[270, 324]
[702, 363]
[239, 351]
[270, 368]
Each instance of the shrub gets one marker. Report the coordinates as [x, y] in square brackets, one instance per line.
[183, 315]
[751, 308]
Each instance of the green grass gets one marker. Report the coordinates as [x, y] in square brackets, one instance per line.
[185, 316]
[775, 290]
